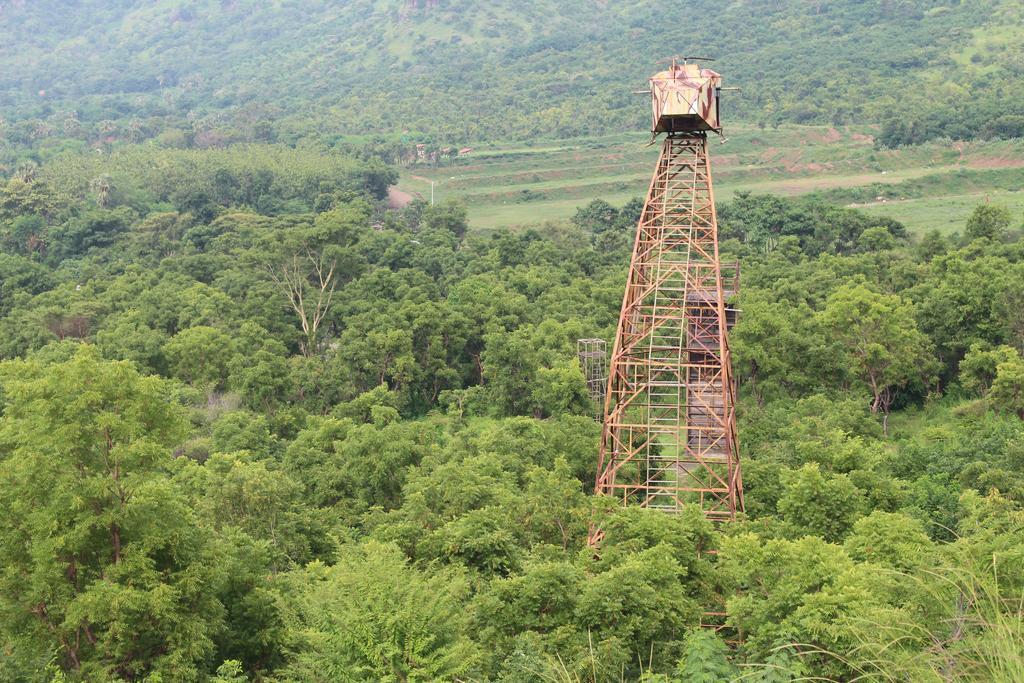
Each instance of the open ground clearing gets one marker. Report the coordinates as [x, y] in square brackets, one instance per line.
[929, 186]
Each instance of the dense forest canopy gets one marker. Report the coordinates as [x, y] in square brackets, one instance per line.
[206, 72]
[260, 423]
[256, 426]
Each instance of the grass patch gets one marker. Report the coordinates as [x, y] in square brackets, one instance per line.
[931, 186]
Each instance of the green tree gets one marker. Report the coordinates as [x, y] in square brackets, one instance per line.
[510, 362]
[772, 580]
[819, 504]
[1010, 307]
[889, 539]
[200, 355]
[879, 341]
[513, 362]
[934, 499]
[239, 491]
[781, 666]
[1007, 391]
[561, 390]
[988, 221]
[449, 215]
[597, 217]
[932, 244]
[373, 351]
[229, 672]
[93, 229]
[562, 525]
[963, 301]
[639, 601]
[129, 337]
[772, 342]
[361, 465]
[263, 378]
[486, 540]
[20, 275]
[978, 368]
[372, 617]
[25, 235]
[542, 598]
[877, 238]
[705, 659]
[103, 562]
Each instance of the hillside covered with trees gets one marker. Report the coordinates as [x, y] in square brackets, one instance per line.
[207, 72]
[260, 422]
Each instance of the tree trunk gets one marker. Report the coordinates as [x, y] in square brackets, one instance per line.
[885, 402]
[115, 540]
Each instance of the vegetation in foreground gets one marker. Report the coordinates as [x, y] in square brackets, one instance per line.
[254, 427]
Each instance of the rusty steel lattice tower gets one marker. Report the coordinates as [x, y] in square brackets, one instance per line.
[669, 430]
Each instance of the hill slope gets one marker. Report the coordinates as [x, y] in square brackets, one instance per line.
[462, 70]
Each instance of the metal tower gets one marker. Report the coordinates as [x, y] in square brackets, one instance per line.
[669, 430]
[593, 355]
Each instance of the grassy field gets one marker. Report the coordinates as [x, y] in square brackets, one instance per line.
[946, 213]
[929, 186]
